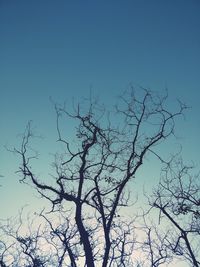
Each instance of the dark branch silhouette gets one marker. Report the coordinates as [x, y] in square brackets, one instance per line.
[178, 200]
[93, 174]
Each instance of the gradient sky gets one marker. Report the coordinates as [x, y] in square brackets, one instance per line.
[61, 49]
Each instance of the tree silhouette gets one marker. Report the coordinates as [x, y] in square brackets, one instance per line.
[94, 172]
[178, 200]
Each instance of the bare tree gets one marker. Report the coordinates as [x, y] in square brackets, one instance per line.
[93, 173]
[23, 243]
[63, 236]
[178, 200]
[154, 246]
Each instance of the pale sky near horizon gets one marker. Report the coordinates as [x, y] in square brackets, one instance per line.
[62, 49]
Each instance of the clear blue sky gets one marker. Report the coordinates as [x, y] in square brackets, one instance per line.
[63, 48]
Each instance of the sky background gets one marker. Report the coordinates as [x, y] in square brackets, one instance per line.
[62, 49]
